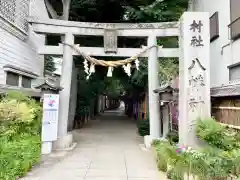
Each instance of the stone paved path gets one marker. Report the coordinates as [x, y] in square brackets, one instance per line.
[108, 149]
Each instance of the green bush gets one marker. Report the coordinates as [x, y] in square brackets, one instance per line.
[143, 127]
[218, 160]
[161, 162]
[18, 156]
[20, 124]
[167, 156]
[216, 135]
[172, 136]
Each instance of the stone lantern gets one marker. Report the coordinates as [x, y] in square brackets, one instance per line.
[165, 97]
[165, 93]
[49, 86]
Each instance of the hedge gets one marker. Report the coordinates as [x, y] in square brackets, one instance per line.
[20, 143]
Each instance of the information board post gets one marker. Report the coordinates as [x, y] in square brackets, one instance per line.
[49, 121]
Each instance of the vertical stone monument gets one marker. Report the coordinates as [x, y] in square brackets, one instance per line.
[194, 67]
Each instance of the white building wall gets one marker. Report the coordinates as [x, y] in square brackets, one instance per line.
[23, 53]
[223, 51]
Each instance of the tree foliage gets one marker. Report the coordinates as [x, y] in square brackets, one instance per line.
[168, 69]
[49, 64]
[157, 11]
[117, 10]
[113, 87]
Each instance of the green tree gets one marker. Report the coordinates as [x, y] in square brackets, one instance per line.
[49, 64]
[157, 11]
[86, 10]
[113, 87]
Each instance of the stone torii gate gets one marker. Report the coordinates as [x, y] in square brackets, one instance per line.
[111, 31]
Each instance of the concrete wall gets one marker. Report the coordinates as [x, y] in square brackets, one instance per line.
[223, 51]
[23, 53]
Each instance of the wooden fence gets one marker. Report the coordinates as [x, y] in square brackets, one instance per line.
[227, 112]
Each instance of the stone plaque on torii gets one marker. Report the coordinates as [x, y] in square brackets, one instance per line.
[110, 40]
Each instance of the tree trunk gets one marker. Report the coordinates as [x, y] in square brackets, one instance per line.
[51, 10]
[66, 9]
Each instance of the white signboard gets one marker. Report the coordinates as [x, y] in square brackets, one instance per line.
[50, 117]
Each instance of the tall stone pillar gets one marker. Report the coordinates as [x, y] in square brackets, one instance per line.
[153, 83]
[194, 72]
[64, 139]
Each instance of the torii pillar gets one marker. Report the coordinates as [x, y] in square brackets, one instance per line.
[64, 138]
[153, 83]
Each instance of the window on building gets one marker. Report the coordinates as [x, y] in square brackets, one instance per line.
[234, 73]
[26, 82]
[214, 27]
[235, 19]
[12, 79]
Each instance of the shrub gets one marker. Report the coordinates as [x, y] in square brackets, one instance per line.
[18, 156]
[217, 161]
[20, 124]
[161, 162]
[168, 160]
[172, 136]
[216, 135]
[143, 127]
[156, 142]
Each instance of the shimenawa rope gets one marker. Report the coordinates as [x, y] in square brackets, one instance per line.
[108, 63]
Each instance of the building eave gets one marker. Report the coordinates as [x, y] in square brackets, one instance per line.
[51, 86]
[230, 90]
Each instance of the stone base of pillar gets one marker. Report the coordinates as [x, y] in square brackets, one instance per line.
[63, 143]
[148, 141]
